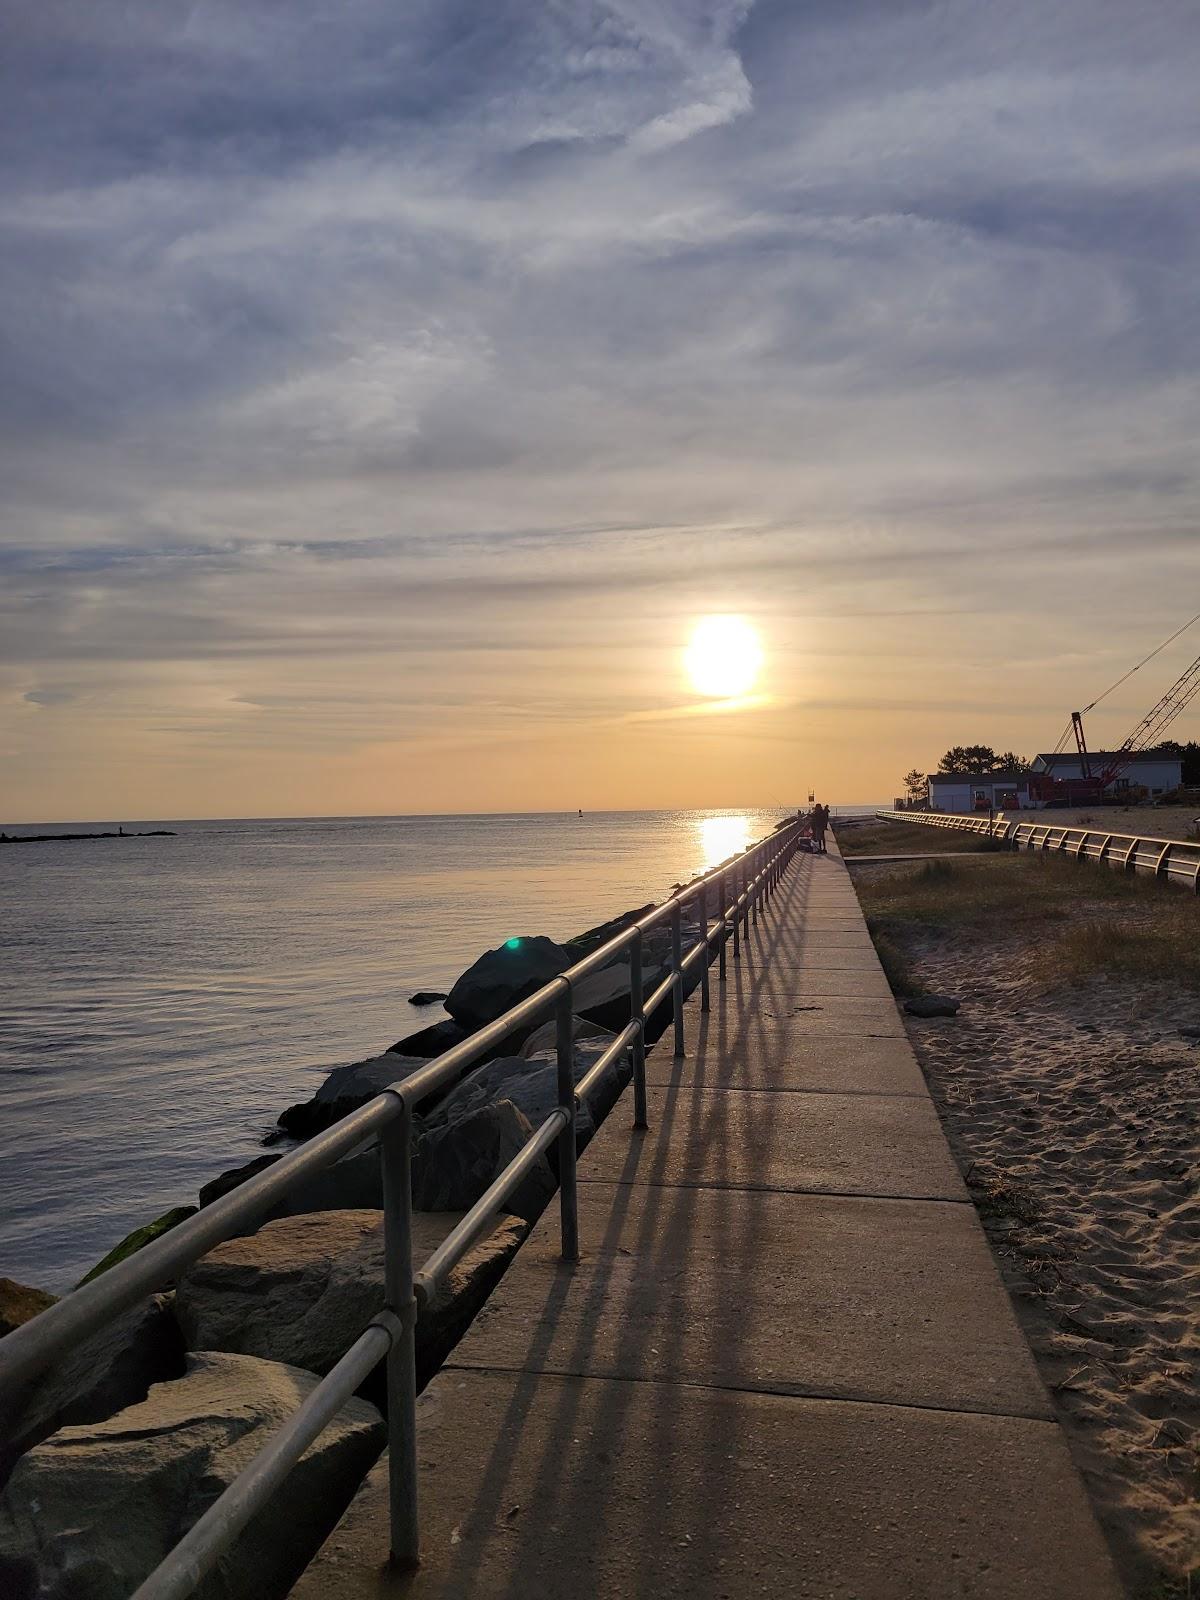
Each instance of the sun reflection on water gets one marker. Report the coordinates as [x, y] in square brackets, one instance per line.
[722, 837]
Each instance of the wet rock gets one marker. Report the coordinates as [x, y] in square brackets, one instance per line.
[455, 1162]
[140, 1238]
[431, 1041]
[19, 1303]
[932, 1005]
[302, 1289]
[504, 976]
[113, 1369]
[426, 997]
[345, 1089]
[93, 1511]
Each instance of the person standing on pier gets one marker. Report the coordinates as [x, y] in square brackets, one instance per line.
[820, 821]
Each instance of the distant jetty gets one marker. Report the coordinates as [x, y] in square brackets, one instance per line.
[53, 838]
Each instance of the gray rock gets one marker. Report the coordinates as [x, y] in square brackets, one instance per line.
[502, 977]
[351, 1184]
[546, 1037]
[302, 1289]
[361, 1081]
[111, 1370]
[345, 1089]
[1191, 1030]
[932, 1005]
[92, 1512]
[455, 1162]
[531, 1084]
[430, 1041]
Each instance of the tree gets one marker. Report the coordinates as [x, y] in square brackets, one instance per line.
[916, 787]
[1009, 761]
[971, 758]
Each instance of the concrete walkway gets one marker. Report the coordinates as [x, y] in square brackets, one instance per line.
[785, 1364]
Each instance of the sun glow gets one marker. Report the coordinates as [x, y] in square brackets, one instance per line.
[724, 657]
[722, 837]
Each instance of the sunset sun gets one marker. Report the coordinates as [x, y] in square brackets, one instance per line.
[724, 657]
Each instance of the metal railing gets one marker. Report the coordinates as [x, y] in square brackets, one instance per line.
[1175, 860]
[742, 885]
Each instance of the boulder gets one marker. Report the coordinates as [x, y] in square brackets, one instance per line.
[345, 1089]
[302, 1289]
[455, 1162]
[932, 1005]
[353, 1183]
[531, 1084]
[546, 1037]
[431, 1041]
[111, 1370]
[139, 1239]
[426, 997]
[19, 1303]
[502, 977]
[584, 943]
[94, 1510]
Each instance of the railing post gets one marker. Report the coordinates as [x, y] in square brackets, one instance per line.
[723, 889]
[395, 1150]
[755, 869]
[568, 1199]
[677, 969]
[637, 1013]
[737, 911]
[704, 995]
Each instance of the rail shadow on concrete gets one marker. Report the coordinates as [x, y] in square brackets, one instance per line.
[784, 1363]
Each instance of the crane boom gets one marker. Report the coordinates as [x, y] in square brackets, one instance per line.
[1155, 723]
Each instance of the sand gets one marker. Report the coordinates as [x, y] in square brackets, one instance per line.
[1075, 1114]
[1153, 822]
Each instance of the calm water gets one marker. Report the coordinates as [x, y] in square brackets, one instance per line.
[161, 1000]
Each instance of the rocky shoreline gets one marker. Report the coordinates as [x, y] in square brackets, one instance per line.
[198, 1375]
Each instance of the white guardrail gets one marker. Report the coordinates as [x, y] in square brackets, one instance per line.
[1175, 860]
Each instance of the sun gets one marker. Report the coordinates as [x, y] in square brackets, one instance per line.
[724, 657]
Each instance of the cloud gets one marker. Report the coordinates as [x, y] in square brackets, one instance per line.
[454, 334]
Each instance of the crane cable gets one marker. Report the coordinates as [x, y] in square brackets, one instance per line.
[1140, 664]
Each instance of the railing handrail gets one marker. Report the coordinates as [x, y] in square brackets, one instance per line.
[30, 1349]
[1167, 858]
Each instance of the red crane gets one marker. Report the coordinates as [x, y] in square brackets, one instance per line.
[1145, 735]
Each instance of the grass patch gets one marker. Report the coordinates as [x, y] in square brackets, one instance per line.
[908, 838]
[1069, 921]
[998, 1198]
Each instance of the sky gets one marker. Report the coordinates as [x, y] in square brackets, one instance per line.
[385, 391]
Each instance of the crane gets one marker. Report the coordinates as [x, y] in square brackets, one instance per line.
[1145, 735]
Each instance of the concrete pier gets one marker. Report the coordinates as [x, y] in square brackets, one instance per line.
[784, 1364]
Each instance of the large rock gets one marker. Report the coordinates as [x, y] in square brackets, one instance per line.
[302, 1289]
[546, 1037]
[352, 1184]
[432, 1041]
[531, 1084]
[345, 1089]
[455, 1162]
[19, 1303]
[139, 1239]
[502, 977]
[111, 1370]
[92, 1512]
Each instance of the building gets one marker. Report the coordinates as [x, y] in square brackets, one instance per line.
[1150, 775]
[960, 792]
[1154, 772]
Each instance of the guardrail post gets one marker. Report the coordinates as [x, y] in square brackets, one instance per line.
[637, 1013]
[723, 891]
[755, 873]
[677, 969]
[704, 995]
[737, 911]
[395, 1151]
[568, 1198]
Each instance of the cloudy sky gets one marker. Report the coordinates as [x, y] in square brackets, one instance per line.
[386, 389]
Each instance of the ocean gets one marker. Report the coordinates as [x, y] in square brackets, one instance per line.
[163, 999]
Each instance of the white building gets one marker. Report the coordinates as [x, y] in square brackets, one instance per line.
[1151, 775]
[984, 791]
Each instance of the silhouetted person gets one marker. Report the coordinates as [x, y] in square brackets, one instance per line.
[820, 821]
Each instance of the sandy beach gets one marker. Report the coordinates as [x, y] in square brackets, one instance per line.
[1068, 1087]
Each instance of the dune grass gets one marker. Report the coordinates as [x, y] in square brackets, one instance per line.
[1073, 920]
[908, 838]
